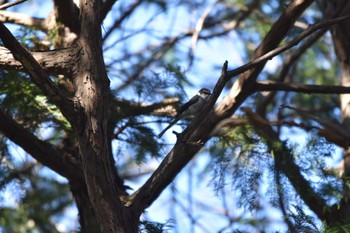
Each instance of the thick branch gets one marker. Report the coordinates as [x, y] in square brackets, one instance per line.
[42, 151]
[53, 62]
[67, 13]
[303, 88]
[23, 19]
[38, 75]
[123, 108]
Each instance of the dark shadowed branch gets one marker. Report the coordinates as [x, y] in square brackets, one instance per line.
[302, 88]
[38, 75]
[10, 4]
[42, 151]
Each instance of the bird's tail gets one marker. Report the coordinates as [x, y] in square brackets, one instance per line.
[168, 127]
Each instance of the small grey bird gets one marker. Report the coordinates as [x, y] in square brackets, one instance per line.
[191, 108]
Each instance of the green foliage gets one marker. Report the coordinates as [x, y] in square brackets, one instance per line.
[303, 222]
[43, 200]
[155, 227]
[172, 77]
[312, 162]
[143, 143]
[145, 60]
[27, 104]
[241, 156]
[337, 228]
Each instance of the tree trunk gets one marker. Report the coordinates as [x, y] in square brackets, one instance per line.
[87, 218]
[341, 41]
[91, 95]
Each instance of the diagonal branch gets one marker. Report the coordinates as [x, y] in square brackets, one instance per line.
[193, 138]
[10, 4]
[38, 75]
[118, 22]
[267, 56]
[106, 8]
[42, 151]
[303, 88]
[287, 68]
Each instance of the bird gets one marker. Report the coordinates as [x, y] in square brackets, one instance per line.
[191, 108]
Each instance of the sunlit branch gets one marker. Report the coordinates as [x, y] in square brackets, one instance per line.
[23, 19]
[53, 62]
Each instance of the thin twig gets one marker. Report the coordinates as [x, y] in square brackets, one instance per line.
[10, 4]
[281, 49]
[303, 88]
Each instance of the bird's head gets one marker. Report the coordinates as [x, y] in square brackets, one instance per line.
[204, 93]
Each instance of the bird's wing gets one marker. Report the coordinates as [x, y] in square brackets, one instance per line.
[192, 101]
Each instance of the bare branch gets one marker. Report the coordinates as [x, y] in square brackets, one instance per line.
[199, 26]
[42, 151]
[105, 8]
[10, 4]
[124, 108]
[23, 19]
[286, 69]
[303, 88]
[267, 56]
[125, 14]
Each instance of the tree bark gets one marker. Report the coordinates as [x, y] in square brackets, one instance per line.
[341, 41]
[92, 92]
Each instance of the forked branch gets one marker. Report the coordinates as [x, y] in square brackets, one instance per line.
[38, 75]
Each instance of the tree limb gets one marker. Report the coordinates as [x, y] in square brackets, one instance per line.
[287, 68]
[67, 13]
[125, 14]
[106, 8]
[303, 88]
[54, 62]
[123, 108]
[10, 4]
[24, 20]
[269, 55]
[42, 151]
[38, 75]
